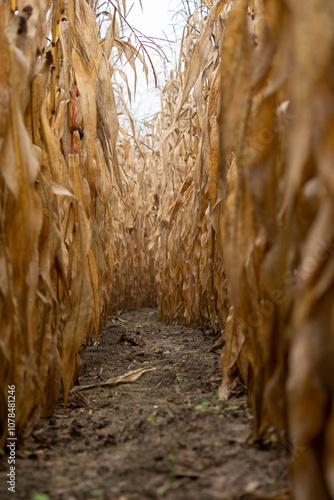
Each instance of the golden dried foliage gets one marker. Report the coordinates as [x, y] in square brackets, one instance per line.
[245, 235]
[221, 211]
[190, 274]
[67, 257]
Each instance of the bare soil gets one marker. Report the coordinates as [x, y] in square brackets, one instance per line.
[165, 436]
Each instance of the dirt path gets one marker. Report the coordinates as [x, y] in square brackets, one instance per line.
[164, 436]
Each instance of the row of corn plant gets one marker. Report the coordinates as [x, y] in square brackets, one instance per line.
[74, 217]
[244, 241]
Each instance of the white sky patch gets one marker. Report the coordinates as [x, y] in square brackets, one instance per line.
[157, 20]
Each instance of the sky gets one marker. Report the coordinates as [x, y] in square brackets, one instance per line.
[156, 20]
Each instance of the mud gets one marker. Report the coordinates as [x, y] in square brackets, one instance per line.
[165, 436]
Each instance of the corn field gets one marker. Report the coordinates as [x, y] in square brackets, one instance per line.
[220, 210]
